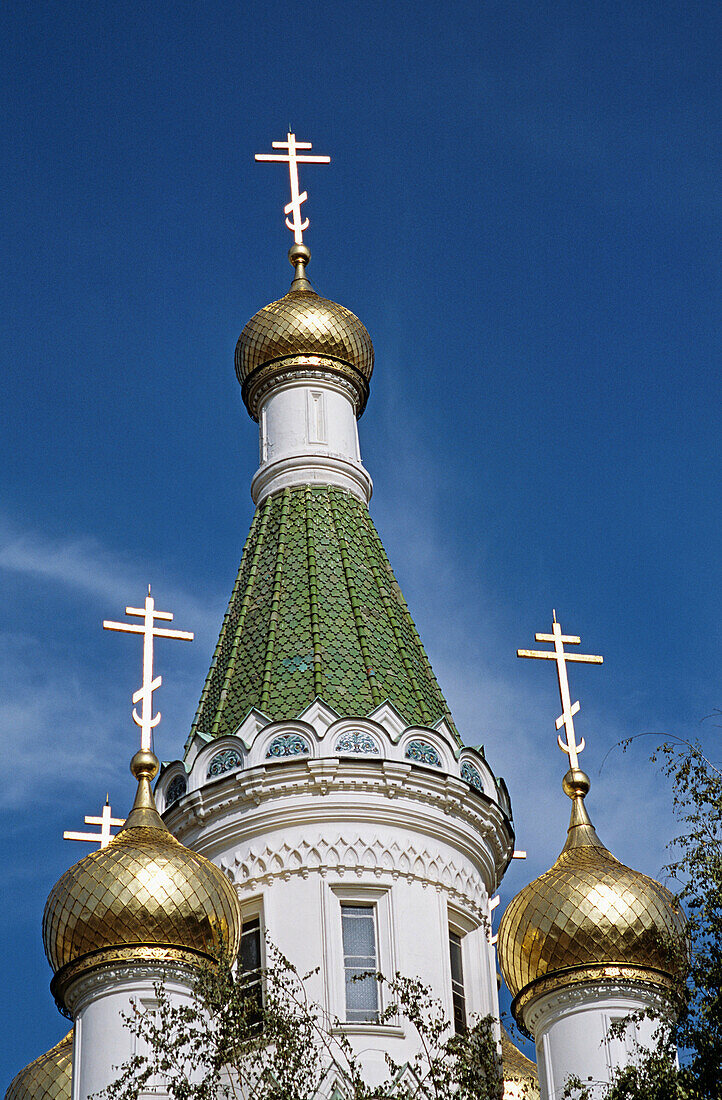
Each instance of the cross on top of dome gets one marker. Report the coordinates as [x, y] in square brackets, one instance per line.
[292, 158]
[106, 821]
[144, 695]
[571, 747]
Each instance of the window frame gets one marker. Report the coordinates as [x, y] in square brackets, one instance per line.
[370, 908]
[251, 910]
[479, 986]
[458, 995]
[381, 897]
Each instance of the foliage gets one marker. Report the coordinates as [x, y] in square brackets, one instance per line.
[227, 1045]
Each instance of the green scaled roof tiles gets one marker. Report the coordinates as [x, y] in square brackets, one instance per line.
[316, 612]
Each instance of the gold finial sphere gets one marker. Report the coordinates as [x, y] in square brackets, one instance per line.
[576, 783]
[299, 254]
[144, 764]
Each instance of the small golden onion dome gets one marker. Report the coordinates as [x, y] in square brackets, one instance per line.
[587, 918]
[143, 897]
[521, 1080]
[302, 332]
[48, 1077]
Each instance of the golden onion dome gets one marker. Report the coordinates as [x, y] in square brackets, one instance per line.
[589, 918]
[521, 1080]
[302, 332]
[143, 897]
[48, 1077]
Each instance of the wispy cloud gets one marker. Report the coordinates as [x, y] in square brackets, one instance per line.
[53, 729]
[82, 563]
[63, 718]
[461, 621]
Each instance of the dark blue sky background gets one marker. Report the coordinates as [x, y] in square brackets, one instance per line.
[523, 208]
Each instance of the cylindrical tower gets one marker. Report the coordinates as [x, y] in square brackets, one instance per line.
[141, 910]
[588, 943]
[324, 772]
[304, 364]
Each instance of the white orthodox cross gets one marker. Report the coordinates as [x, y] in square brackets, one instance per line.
[297, 225]
[144, 695]
[105, 821]
[569, 709]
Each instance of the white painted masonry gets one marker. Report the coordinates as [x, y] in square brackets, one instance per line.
[308, 435]
[301, 835]
[98, 1000]
[571, 1031]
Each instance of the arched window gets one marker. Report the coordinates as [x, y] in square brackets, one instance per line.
[176, 789]
[471, 775]
[224, 761]
[357, 743]
[288, 744]
[423, 753]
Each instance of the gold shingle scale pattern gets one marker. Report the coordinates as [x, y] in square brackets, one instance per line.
[144, 888]
[589, 909]
[303, 323]
[517, 1068]
[48, 1077]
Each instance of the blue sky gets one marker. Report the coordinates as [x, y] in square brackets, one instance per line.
[523, 208]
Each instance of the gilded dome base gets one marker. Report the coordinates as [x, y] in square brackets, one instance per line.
[157, 958]
[592, 975]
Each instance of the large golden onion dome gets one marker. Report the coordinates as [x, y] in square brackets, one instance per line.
[145, 897]
[302, 332]
[589, 918]
[48, 1077]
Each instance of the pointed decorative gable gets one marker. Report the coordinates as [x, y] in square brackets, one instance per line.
[316, 613]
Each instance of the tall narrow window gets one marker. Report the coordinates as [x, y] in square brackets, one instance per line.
[250, 961]
[358, 925]
[457, 982]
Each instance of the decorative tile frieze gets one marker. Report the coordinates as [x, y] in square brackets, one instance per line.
[288, 744]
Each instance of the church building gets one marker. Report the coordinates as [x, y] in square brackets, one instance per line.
[325, 800]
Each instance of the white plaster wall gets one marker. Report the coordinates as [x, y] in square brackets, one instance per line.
[308, 435]
[571, 1030]
[302, 917]
[298, 838]
[101, 1039]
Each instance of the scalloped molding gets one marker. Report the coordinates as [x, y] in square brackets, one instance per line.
[128, 977]
[559, 1001]
[359, 857]
[322, 726]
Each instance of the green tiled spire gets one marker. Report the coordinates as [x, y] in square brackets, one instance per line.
[316, 613]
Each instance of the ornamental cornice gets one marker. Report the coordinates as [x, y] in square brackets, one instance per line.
[248, 804]
[96, 971]
[314, 373]
[286, 368]
[577, 985]
[355, 856]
